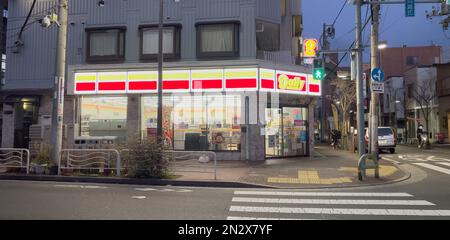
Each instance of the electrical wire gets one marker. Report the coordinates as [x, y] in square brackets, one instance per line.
[334, 21]
[351, 46]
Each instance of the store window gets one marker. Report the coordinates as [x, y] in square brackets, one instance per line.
[104, 117]
[217, 40]
[105, 44]
[195, 122]
[150, 38]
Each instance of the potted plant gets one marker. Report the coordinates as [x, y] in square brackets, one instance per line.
[42, 160]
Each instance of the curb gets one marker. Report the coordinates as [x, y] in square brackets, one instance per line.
[187, 183]
[131, 181]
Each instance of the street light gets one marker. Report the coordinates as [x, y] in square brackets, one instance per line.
[382, 45]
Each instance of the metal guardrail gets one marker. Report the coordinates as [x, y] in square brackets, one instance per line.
[195, 161]
[90, 159]
[15, 158]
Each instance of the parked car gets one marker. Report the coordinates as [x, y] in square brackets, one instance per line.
[386, 139]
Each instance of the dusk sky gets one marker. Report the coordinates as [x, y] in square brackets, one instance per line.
[395, 28]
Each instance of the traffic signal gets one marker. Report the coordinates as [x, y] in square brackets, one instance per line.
[319, 70]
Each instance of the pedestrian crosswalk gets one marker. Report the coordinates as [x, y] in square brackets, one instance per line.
[435, 163]
[285, 205]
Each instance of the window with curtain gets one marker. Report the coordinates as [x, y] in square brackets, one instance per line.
[149, 42]
[218, 40]
[105, 44]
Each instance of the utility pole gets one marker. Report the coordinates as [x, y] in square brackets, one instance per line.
[323, 119]
[58, 89]
[359, 80]
[374, 96]
[159, 130]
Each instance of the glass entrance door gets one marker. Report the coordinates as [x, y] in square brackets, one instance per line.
[294, 132]
[274, 136]
[286, 132]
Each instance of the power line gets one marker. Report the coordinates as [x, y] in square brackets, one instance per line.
[334, 21]
[351, 46]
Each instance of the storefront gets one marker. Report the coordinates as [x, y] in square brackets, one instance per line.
[214, 109]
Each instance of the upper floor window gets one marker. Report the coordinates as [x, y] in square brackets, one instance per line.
[412, 60]
[149, 42]
[105, 44]
[217, 39]
[267, 36]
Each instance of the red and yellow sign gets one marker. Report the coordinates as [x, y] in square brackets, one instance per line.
[85, 83]
[197, 80]
[142, 82]
[111, 82]
[241, 79]
[310, 48]
[267, 79]
[176, 80]
[314, 86]
[207, 79]
[291, 82]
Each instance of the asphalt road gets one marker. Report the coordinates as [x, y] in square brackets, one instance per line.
[426, 195]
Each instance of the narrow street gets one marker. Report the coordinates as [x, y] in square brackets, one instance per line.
[424, 196]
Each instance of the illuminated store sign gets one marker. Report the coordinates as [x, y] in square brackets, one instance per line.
[143, 82]
[196, 80]
[239, 79]
[207, 79]
[291, 82]
[310, 48]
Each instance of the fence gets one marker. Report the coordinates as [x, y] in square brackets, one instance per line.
[90, 159]
[15, 158]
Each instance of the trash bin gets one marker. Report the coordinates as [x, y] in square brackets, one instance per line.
[440, 138]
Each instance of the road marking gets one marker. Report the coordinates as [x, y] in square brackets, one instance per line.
[324, 194]
[184, 191]
[145, 189]
[94, 187]
[167, 190]
[432, 167]
[334, 201]
[80, 186]
[444, 163]
[342, 211]
[67, 186]
[264, 219]
[139, 197]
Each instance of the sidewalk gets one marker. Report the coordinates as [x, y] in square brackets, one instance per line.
[328, 168]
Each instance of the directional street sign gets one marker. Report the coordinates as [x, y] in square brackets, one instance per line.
[377, 75]
[410, 8]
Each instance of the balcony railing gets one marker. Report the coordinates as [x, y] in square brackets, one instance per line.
[277, 57]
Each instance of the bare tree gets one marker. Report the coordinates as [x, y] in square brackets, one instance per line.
[343, 98]
[424, 95]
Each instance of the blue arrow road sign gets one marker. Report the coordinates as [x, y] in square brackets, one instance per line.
[377, 75]
[410, 8]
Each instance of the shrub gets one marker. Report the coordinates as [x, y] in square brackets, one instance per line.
[145, 160]
[43, 156]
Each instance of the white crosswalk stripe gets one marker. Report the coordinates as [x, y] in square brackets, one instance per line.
[444, 163]
[291, 205]
[433, 167]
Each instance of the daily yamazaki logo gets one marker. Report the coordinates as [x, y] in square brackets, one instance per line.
[287, 82]
[310, 47]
